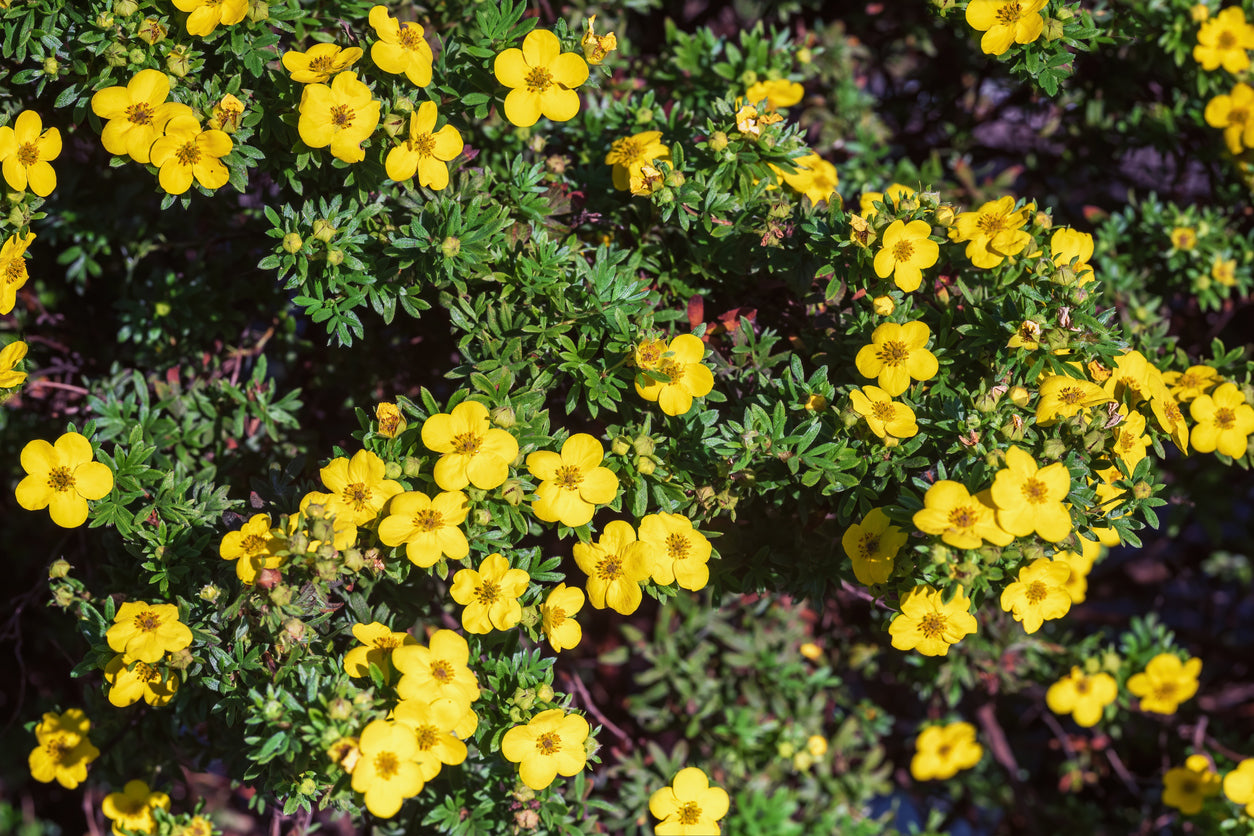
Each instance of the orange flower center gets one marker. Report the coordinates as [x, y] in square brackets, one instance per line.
[1034, 491]
[1071, 395]
[467, 444]
[677, 546]
[1082, 686]
[944, 751]
[147, 621]
[441, 671]
[1164, 691]
[28, 154]
[883, 411]
[647, 353]
[625, 152]
[427, 736]
[321, 64]
[990, 225]
[1037, 592]
[893, 353]
[903, 250]
[188, 153]
[690, 813]
[386, 643]
[1009, 14]
[1225, 418]
[671, 368]
[59, 747]
[357, 495]
[487, 593]
[549, 743]
[428, 520]
[539, 79]
[253, 544]
[342, 116]
[933, 625]
[423, 145]
[964, 516]
[410, 36]
[386, 765]
[610, 568]
[1226, 40]
[140, 113]
[61, 479]
[568, 477]
[554, 616]
[15, 271]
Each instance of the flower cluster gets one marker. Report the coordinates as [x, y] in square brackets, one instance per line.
[142, 635]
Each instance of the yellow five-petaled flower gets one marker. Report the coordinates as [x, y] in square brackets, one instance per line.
[26, 150]
[542, 79]
[342, 115]
[62, 477]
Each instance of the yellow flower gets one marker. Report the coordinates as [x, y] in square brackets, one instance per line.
[473, 453]
[358, 489]
[995, 231]
[816, 745]
[1199, 12]
[1239, 785]
[207, 14]
[1134, 379]
[64, 750]
[435, 723]
[1224, 271]
[891, 197]
[1077, 584]
[751, 123]
[776, 92]
[1224, 40]
[1184, 238]
[883, 305]
[227, 114]
[571, 482]
[132, 808]
[61, 478]
[1027, 336]
[343, 529]
[401, 47]
[1193, 381]
[1082, 696]
[680, 552]
[896, 354]
[146, 632]
[198, 826]
[616, 565]
[596, 47]
[872, 545]
[10, 356]
[320, 62]
[1068, 245]
[816, 403]
[389, 419]
[253, 548]
[1187, 787]
[130, 680]
[941, 752]
[551, 744]
[1039, 594]
[137, 114]
[386, 773]
[689, 805]
[1063, 396]
[490, 595]
[187, 152]
[1170, 419]
[888, 420]
[629, 154]
[1030, 499]
[930, 625]
[440, 670]
[377, 643]
[1224, 420]
[557, 615]
[862, 234]
[13, 273]
[1234, 114]
[427, 527]
[905, 253]
[342, 116]
[963, 521]
[26, 149]
[542, 79]
[1130, 438]
[425, 151]
[648, 353]
[815, 178]
[1165, 683]
[1005, 22]
[678, 377]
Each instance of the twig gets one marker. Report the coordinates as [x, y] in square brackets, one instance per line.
[1057, 729]
[997, 740]
[1116, 763]
[89, 811]
[591, 706]
[55, 385]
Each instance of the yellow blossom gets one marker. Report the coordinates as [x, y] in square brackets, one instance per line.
[1082, 695]
[130, 680]
[907, 251]
[64, 750]
[187, 152]
[680, 552]
[751, 123]
[131, 809]
[1233, 113]
[963, 521]
[1027, 336]
[1239, 785]
[1193, 381]
[427, 527]
[941, 752]
[888, 419]
[551, 744]
[1039, 594]
[207, 14]
[929, 624]
[1062, 396]
[62, 477]
[897, 354]
[320, 63]
[13, 273]
[136, 114]
[542, 79]
[26, 150]
[1005, 22]
[557, 617]
[10, 356]
[995, 231]
[1224, 40]
[357, 487]
[490, 595]
[227, 114]
[401, 47]
[472, 451]
[253, 548]
[342, 116]
[814, 178]
[147, 632]
[1187, 787]
[616, 565]
[1184, 238]
[1069, 245]
[689, 805]
[1224, 421]
[596, 47]
[425, 150]
[776, 92]
[873, 545]
[572, 482]
[386, 772]
[678, 377]
[1165, 683]
[1224, 271]
[377, 643]
[1030, 499]
[441, 669]
[435, 724]
[629, 154]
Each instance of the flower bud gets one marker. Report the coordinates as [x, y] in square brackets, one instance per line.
[945, 215]
[802, 761]
[941, 554]
[537, 143]
[817, 745]
[805, 55]
[503, 417]
[675, 179]
[180, 660]
[748, 78]
[335, 257]
[512, 492]
[295, 628]
[811, 651]
[210, 593]
[339, 709]
[59, 569]
[125, 8]
[523, 698]
[544, 692]
[620, 446]
[51, 66]
[391, 422]
[292, 243]
[227, 114]
[718, 141]
[1142, 490]
[324, 230]
[62, 596]
[1065, 14]
[523, 793]
[392, 470]
[785, 749]
[353, 560]
[268, 578]
[1053, 449]
[451, 246]
[115, 55]
[412, 466]
[644, 115]
[136, 56]
[817, 403]
[645, 465]
[151, 32]
[258, 11]
[988, 401]
[643, 445]
[178, 63]
[1043, 220]
[396, 125]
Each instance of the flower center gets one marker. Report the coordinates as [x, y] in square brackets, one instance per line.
[147, 621]
[554, 616]
[690, 813]
[427, 736]
[933, 625]
[1009, 14]
[146, 673]
[610, 568]
[1034, 491]
[386, 643]
[441, 671]
[253, 544]
[990, 225]
[672, 369]
[188, 153]
[1238, 116]
[539, 80]
[1226, 40]
[1037, 592]
[549, 743]
[625, 152]
[386, 765]
[357, 495]
[423, 145]
[321, 64]
[648, 353]
[428, 520]
[342, 116]
[1165, 691]
[467, 444]
[677, 546]
[883, 411]
[60, 479]
[1225, 418]
[963, 517]
[15, 272]
[140, 113]
[869, 546]
[410, 36]
[893, 353]
[1071, 395]
[903, 250]
[569, 477]
[1189, 786]
[28, 154]
[59, 747]
[1082, 686]
[487, 593]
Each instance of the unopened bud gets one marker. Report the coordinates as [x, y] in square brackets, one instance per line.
[268, 578]
[51, 66]
[59, 569]
[353, 560]
[1142, 490]
[945, 215]
[339, 709]
[178, 62]
[643, 445]
[1043, 220]
[1019, 396]
[115, 55]
[180, 660]
[136, 56]
[503, 417]
[62, 596]
[210, 593]
[483, 517]
[718, 141]
[258, 11]
[644, 115]
[748, 78]
[621, 445]
[125, 8]
[292, 243]
[1053, 449]
[151, 32]
[451, 246]
[512, 492]
[645, 465]
[335, 257]
[412, 467]
[392, 470]
[544, 692]
[324, 230]
[524, 698]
